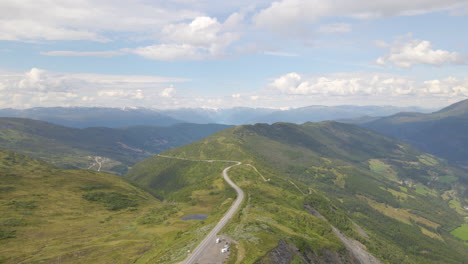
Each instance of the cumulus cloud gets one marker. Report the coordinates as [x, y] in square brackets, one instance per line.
[39, 87]
[168, 92]
[202, 38]
[405, 54]
[82, 19]
[286, 15]
[368, 85]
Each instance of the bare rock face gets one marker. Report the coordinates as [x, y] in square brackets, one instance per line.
[284, 253]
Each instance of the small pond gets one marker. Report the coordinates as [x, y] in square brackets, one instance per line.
[195, 217]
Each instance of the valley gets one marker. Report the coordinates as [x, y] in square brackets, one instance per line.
[233, 132]
[117, 149]
[356, 193]
[323, 192]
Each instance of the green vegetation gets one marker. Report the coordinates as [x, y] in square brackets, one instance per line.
[115, 148]
[372, 188]
[443, 133]
[112, 200]
[45, 218]
[461, 232]
[403, 205]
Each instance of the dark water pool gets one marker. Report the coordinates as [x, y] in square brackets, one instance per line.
[195, 217]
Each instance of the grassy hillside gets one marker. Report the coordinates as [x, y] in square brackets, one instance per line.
[82, 216]
[443, 133]
[398, 202]
[114, 148]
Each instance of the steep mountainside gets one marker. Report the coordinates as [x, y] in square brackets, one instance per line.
[98, 147]
[443, 133]
[321, 193]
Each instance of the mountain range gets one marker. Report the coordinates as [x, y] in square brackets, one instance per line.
[443, 133]
[82, 117]
[319, 193]
[112, 149]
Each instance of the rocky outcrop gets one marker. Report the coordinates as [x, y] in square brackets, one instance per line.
[355, 249]
[284, 253]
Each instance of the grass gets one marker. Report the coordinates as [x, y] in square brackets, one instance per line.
[76, 148]
[112, 201]
[46, 218]
[456, 205]
[448, 179]
[382, 168]
[403, 215]
[428, 160]
[423, 190]
[268, 217]
[340, 162]
[461, 232]
[400, 195]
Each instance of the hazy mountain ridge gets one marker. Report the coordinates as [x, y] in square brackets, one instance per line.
[443, 133]
[82, 117]
[400, 198]
[78, 148]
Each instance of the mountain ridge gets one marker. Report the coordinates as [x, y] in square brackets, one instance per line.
[442, 133]
[396, 194]
[71, 147]
[82, 117]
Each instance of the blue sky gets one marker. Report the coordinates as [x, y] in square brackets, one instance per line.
[258, 53]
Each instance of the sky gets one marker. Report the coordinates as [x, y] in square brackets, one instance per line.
[220, 54]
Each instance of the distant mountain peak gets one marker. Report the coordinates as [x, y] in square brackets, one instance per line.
[458, 108]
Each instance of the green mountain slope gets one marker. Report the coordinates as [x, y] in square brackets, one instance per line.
[49, 215]
[113, 148]
[443, 133]
[315, 182]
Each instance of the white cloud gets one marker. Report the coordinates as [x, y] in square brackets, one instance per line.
[368, 85]
[122, 94]
[104, 54]
[286, 15]
[39, 87]
[336, 28]
[168, 92]
[202, 38]
[167, 52]
[405, 54]
[82, 19]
